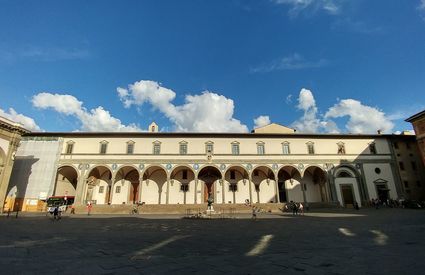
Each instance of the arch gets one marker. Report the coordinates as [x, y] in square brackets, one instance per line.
[263, 179]
[208, 175]
[98, 187]
[314, 179]
[153, 189]
[206, 166]
[182, 185]
[66, 181]
[157, 166]
[236, 189]
[348, 189]
[289, 184]
[124, 166]
[179, 166]
[125, 188]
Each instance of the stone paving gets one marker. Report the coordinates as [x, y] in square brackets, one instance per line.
[369, 241]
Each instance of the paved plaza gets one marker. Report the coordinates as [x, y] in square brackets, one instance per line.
[369, 241]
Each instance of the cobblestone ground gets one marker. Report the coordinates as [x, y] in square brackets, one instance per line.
[369, 241]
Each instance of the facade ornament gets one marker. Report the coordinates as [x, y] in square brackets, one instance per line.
[168, 166]
[223, 167]
[196, 166]
[249, 166]
[141, 166]
[275, 166]
[301, 166]
[114, 166]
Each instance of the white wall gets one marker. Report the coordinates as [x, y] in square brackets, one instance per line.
[100, 197]
[386, 174]
[294, 190]
[123, 196]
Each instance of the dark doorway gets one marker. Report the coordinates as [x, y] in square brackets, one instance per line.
[347, 195]
[282, 192]
[382, 192]
[209, 188]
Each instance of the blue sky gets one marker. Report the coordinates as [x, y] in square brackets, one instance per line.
[222, 66]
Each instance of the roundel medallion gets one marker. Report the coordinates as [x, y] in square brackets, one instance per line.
[196, 166]
[275, 166]
[223, 167]
[168, 166]
[249, 166]
[141, 166]
[114, 166]
[301, 166]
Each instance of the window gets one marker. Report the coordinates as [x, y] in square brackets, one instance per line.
[183, 149]
[233, 187]
[157, 148]
[103, 147]
[184, 174]
[372, 148]
[209, 148]
[341, 148]
[130, 147]
[395, 144]
[235, 149]
[406, 184]
[401, 165]
[184, 187]
[101, 189]
[310, 148]
[69, 147]
[117, 189]
[260, 149]
[286, 149]
[407, 145]
[413, 166]
[232, 174]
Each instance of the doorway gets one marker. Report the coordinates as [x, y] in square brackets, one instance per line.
[382, 191]
[208, 189]
[282, 192]
[347, 195]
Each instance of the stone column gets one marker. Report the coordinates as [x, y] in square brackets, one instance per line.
[250, 188]
[7, 169]
[196, 189]
[140, 189]
[276, 183]
[303, 190]
[111, 190]
[81, 184]
[222, 190]
[167, 195]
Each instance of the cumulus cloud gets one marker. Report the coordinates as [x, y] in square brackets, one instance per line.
[27, 122]
[332, 7]
[291, 62]
[308, 123]
[261, 121]
[421, 8]
[362, 118]
[205, 112]
[94, 120]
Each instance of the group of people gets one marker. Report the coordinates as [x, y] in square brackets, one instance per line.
[297, 208]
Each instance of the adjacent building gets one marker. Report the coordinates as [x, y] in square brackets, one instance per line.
[10, 136]
[418, 122]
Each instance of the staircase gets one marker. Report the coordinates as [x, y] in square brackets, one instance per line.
[190, 209]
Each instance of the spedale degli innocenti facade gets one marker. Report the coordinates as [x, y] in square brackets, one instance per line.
[271, 164]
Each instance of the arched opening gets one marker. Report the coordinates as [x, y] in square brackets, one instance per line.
[264, 184]
[182, 186]
[126, 186]
[154, 185]
[99, 185]
[66, 181]
[208, 177]
[314, 181]
[236, 185]
[289, 184]
[347, 186]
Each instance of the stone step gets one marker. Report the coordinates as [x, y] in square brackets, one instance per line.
[189, 209]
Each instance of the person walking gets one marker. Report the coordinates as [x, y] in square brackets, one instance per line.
[254, 213]
[301, 208]
[56, 213]
[89, 206]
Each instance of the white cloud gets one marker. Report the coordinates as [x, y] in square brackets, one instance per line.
[261, 121]
[27, 122]
[362, 118]
[95, 120]
[332, 7]
[205, 112]
[308, 123]
[290, 62]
